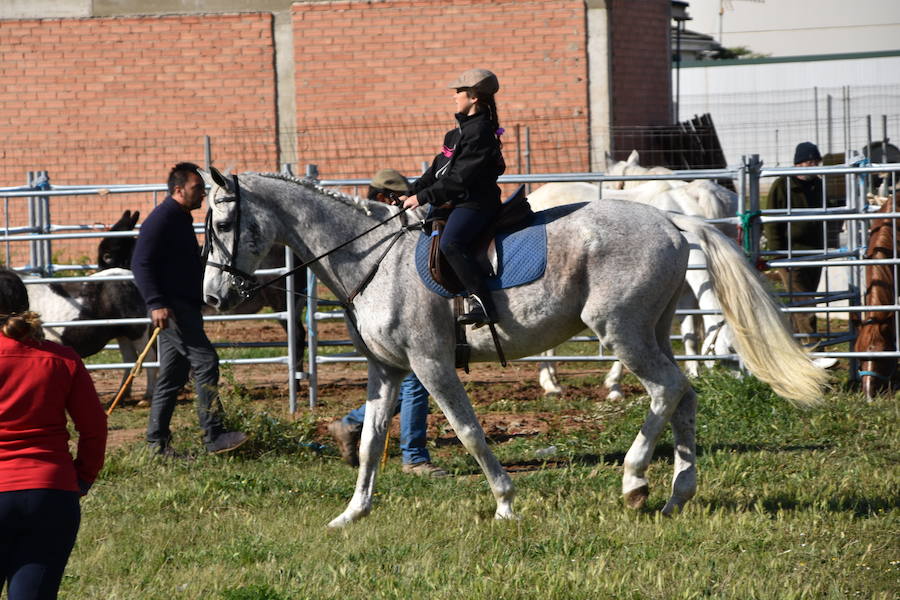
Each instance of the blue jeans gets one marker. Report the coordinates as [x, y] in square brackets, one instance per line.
[37, 532]
[413, 409]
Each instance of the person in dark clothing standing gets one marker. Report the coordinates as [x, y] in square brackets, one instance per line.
[463, 177]
[798, 192]
[168, 271]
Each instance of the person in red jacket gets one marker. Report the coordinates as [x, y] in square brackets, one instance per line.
[40, 483]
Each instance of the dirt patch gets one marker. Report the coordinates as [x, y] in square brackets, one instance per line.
[506, 399]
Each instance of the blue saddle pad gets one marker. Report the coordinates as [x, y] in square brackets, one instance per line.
[521, 254]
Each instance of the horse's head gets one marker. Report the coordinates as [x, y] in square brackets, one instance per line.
[116, 252]
[235, 243]
[623, 167]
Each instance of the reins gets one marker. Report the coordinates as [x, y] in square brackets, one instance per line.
[248, 284]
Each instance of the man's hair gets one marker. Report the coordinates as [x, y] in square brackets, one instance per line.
[178, 176]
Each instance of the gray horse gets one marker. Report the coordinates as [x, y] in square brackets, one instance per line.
[615, 267]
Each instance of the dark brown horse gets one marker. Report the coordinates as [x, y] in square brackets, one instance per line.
[878, 329]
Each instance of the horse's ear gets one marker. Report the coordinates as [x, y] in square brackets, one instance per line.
[634, 158]
[134, 218]
[215, 178]
[123, 223]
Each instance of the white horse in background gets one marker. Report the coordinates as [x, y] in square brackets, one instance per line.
[700, 198]
[592, 279]
[632, 166]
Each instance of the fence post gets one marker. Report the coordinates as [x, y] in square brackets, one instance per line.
[754, 166]
[293, 350]
[43, 181]
[33, 250]
[312, 336]
[312, 171]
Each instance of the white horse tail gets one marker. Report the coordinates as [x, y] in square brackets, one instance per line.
[763, 338]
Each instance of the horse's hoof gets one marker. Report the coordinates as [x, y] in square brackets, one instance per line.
[143, 403]
[672, 507]
[637, 498]
[614, 395]
[507, 515]
[345, 518]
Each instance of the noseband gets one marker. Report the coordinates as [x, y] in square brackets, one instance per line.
[244, 283]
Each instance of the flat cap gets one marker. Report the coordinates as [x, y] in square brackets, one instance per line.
[480, 80]
[389, 179]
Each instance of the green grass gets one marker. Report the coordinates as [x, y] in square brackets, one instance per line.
[791, 504]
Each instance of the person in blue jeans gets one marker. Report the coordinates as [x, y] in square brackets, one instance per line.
[387, 185]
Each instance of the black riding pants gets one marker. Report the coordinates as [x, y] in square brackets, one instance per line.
[463, 226]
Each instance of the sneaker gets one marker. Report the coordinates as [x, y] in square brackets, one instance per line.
[425, 469]
[226, 442]
[347, 439]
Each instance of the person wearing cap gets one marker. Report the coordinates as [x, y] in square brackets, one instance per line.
[463, 178]
[386, 186]
[798, 192]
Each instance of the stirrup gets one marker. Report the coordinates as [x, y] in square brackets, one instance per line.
[477, 316]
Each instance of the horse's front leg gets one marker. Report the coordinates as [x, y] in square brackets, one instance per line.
[381, 400]
[451, 396]
[612, 380]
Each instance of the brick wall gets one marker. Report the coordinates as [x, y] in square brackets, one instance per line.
[119, 100]
[372, 80]
[640, 62]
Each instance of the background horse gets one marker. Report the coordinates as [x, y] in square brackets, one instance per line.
[592, 279]
[699, 198]
[878, 329]
[90, 301]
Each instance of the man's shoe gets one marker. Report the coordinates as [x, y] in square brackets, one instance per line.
[347, 439]
[226, 442]
[166, 451]
[425, 469]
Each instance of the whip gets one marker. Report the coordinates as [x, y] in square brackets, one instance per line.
[134, 371]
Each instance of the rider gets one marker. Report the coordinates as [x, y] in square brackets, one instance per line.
[464, 177]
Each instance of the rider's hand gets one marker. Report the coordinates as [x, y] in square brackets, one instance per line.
[160, 317]
[410, 201]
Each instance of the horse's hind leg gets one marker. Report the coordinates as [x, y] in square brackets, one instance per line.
[382, 397]
[547, 375]
[684, 479]
[451, 396]
[649, 357]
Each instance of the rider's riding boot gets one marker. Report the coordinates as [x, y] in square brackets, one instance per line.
[481, 311]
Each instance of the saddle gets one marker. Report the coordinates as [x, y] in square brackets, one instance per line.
[514, 212]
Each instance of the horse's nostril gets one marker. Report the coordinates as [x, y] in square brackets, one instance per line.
[212, 301]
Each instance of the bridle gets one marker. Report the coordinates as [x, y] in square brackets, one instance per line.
[245, 283]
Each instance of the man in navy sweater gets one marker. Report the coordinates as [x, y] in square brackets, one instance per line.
[168, 271]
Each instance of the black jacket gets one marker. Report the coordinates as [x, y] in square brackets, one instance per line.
[465, 172]
[166, 264]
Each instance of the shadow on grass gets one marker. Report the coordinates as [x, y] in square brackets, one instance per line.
[860, 507]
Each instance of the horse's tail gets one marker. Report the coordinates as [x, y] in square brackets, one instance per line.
[763, 338]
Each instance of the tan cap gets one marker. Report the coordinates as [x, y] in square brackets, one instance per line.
[389, 179]
[481, 80]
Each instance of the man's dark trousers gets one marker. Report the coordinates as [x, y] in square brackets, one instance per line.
[183, 346]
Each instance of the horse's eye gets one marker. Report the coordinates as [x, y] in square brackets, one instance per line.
[223, 226]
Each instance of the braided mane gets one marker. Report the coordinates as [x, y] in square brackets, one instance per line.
[357, 202]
